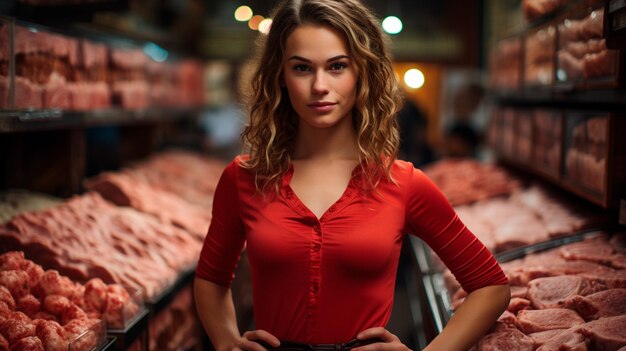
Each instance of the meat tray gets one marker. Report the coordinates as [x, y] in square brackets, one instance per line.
[583, 60]
[436, 281]
[91, 339]
[136, 329]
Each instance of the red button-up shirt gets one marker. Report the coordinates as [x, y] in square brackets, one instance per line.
[325, 280]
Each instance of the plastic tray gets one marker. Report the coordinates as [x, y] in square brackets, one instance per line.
[91, 339]
[137, 328]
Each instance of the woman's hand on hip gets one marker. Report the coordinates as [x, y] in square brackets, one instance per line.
[389, 342]
[249, 341]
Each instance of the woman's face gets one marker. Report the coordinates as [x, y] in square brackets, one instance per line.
[319, 75]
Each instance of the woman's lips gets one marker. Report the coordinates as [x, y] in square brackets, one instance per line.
[323, 106]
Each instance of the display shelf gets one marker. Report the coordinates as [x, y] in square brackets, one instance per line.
[61, 14]
[546, 245]
[34, 120]
[609, 99]
[165, 297]
[109, 344]
[135, 329]
[594, 168]
[615, 24]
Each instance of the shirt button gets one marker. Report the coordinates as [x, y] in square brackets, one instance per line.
[332, 208]
[317, 228]
[317, 247]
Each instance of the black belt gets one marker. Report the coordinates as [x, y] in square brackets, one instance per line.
[297, 346]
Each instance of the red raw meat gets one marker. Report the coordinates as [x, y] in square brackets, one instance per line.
[56, 95]
[94, 54]
[29, 304]
[29, 343]
[35, 272]
[507, 339]
[16, 282]
[27, 94]
[6, 297]
[15, 329]
[606, 334]
[519, 291]
[532, 321]
[95, 295]
[602, 304]
[52, 335]
[79, 338]
[551, 291]
[599, 64]
[613, 279]
[53, 283]
[517, 304]
[56, 304]
[11, 261]
[565, 340]
[72, 312]
[541, 338]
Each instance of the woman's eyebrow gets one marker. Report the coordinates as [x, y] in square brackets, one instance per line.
[335, 58]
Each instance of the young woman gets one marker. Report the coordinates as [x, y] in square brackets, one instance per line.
[323, 205]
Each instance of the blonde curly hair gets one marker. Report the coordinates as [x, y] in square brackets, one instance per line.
[272, 127]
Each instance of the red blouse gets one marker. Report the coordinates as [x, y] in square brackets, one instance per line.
[325, 280]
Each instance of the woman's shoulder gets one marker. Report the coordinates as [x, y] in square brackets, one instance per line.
[405, 173]
[236, 167]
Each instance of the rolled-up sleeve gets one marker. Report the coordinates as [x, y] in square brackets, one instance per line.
[430, 216]
[226, 236]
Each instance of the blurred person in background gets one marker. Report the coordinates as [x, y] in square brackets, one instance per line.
[322, 205]
[413, 127]
[463, 136]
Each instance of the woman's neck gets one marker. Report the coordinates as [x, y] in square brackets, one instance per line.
[326, 144]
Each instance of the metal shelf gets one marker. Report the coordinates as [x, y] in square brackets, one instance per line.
[33, 120]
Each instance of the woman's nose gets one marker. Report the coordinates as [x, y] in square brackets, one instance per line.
[320, 85]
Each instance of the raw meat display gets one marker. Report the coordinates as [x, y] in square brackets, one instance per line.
[526, 217]
[58, 71]
[585, 158]
[175, 327]
[537, 8]
[16, 201]
[175, 186]
[533, 321]
[124, 190]
[524, 141]
[607, 303]
[464, 181]
[189, 175]
[547, 146]
[606, 333]
[87, 237]
[505, 64]
[572, 307]
[538, 58]
[51, 312]
[582, 52]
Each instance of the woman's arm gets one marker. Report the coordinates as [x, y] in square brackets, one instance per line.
[217, 313]
[472, 319]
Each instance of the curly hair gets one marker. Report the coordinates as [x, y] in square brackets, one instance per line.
[271, 130]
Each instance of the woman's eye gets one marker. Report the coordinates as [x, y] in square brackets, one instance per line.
[301, 68]
[338, 66]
